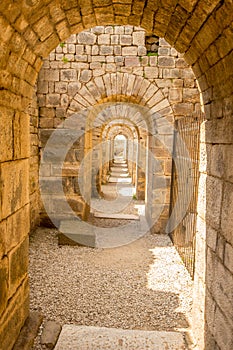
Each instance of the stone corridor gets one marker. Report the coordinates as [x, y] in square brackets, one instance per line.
[75, 75]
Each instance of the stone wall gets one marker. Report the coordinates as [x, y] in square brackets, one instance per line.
[76, 76]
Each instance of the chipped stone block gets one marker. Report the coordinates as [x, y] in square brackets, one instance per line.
[104, 39]
[86, 38]
[130, 51]
[125, 40]
[106, 50]
[50, 334]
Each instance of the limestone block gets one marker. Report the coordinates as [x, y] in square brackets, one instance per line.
[61, 87]
[164, 61]
[128, 29]
[18, 309]
[85, 76]
[175, 95]
[114, 39]
[42, 87]
[142, 50]
[104, 39]
[151, 72]
[110, 59]
[214, 188]
[227, 218]
[228, 260]
[21, 135]
[19, 226]
[153, 60]
[98, 72]
[223, 330]
[86, 38]
[106, 50]
[183, 108]
[79, 49]
[80, 58]
[139, 38]
[95, 50]
[191, 95]
[15, 187]
[71, 48]
[95, 65]
[125, 40]
[18, 265]
[164, 51]
[132, 62]
[53, 100]
[117, 50]
[110, 67]
[68, 75]
[51, 75]
[50, 334]
[211, 237]
[172, 73]
[129, 51]
[6, 134]
[4, 272]
[187, 73]
[47, 112]
[218, 131]
[119, 30]
[221, 161]
[99, 58]
[98, 30]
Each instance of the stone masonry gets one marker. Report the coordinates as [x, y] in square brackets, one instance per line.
[202, 31]
[75, 76]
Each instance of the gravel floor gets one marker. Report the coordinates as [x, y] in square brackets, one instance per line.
[143, 285]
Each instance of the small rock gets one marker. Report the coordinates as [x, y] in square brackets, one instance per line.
[50, 334]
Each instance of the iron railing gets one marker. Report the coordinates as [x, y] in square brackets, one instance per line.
[184, 187]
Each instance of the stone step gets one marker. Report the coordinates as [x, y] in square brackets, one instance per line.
[116, 216]
[116, 174]
[114, 179]
[75, 337]
[119, 169]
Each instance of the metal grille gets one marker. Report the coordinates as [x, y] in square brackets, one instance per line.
[184, 187]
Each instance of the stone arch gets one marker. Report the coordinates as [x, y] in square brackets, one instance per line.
[121, 87]
[199, 29]
[130, 131]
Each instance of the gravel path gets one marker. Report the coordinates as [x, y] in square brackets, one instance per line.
[143, 285]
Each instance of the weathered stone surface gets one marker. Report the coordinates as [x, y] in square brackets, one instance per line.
[14, 316]
[226, 218]
[29, 332]
[50, 334]
[15, 189]
[81, 336]
[18, 266]
[6, 134]
[87, 38]
[4, 273]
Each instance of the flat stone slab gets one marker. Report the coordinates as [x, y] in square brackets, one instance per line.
[116, 216]
[74, 337]
[117, 179]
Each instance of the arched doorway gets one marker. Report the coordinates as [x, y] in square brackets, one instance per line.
[185, 26]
